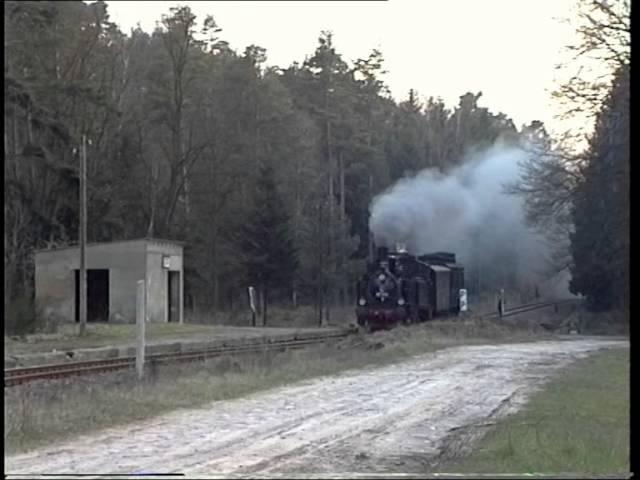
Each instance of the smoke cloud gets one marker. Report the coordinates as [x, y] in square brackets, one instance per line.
[468, 212]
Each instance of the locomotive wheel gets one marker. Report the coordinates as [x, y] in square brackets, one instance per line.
[411, 318]
[366, 328]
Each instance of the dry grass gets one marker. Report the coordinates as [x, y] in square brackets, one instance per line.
[277, 316]
[195, 326]
[608, 323]
[38, 413]
[99, 335]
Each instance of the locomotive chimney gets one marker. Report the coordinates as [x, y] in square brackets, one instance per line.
[383, 253]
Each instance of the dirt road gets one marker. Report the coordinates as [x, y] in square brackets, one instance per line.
[399, 418]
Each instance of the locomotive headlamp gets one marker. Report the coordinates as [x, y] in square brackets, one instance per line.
[381, 277]
[362, 301]
[401, 301]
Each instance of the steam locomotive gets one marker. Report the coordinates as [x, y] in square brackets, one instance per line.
[402, 288]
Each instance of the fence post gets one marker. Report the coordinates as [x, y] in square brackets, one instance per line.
[140, 324]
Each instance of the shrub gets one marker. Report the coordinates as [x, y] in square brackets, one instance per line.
[23, 318]
[20, 317]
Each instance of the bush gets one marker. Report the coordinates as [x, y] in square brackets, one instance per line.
[604, 323]
[23, 318]
[20, 317]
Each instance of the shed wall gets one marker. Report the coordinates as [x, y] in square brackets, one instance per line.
[158, 280]
[55, 282]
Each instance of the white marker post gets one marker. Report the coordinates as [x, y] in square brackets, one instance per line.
[463, 299]
[140, 321]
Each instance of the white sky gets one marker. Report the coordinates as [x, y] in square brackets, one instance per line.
[507, 49]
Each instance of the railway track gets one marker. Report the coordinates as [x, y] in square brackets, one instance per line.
[17, 376]
[529, 307]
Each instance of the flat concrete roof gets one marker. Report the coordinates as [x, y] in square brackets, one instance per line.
[94, 244]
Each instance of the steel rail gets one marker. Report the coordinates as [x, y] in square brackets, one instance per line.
[19, 375]
[529, 307]
[15, 376]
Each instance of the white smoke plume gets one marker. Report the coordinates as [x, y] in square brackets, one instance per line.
[467, 212]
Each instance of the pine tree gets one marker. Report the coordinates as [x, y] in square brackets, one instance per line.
[269, 255]
[600, 243]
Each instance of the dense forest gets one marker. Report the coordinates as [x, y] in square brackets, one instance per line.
[268, 173]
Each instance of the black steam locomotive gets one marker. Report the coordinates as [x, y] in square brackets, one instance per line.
[402, 288]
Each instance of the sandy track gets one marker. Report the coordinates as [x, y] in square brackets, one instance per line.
[396, 418]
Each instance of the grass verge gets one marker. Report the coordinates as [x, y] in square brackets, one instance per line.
[578, 424]
[41, 412]
[100, 335]
[97, 335]
[198, 325]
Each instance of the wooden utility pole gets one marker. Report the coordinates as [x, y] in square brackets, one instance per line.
[83, 236]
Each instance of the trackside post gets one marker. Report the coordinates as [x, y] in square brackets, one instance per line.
[501, 303]
[463, 299]
[140, 324]
[252, 305]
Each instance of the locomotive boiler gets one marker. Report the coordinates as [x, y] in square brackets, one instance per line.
[402, 288]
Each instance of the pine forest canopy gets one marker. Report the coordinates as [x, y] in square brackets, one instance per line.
[193, 141]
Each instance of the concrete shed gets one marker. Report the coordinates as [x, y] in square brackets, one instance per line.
[113, 270]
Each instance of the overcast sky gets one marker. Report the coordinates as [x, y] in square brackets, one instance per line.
[443, 48]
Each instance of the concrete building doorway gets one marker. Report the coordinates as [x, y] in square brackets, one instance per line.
[97, 295]
[173, 287]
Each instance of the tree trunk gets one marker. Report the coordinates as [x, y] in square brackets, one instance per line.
[216, 292]
[294, 296]
[153, 199]
[320, 305]
[216, 276]
[9, 280]
[369, 231]
[342, 193]
[341, 257]
[187, 207]
[331, 223]
[265, 302]
[327, 310]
